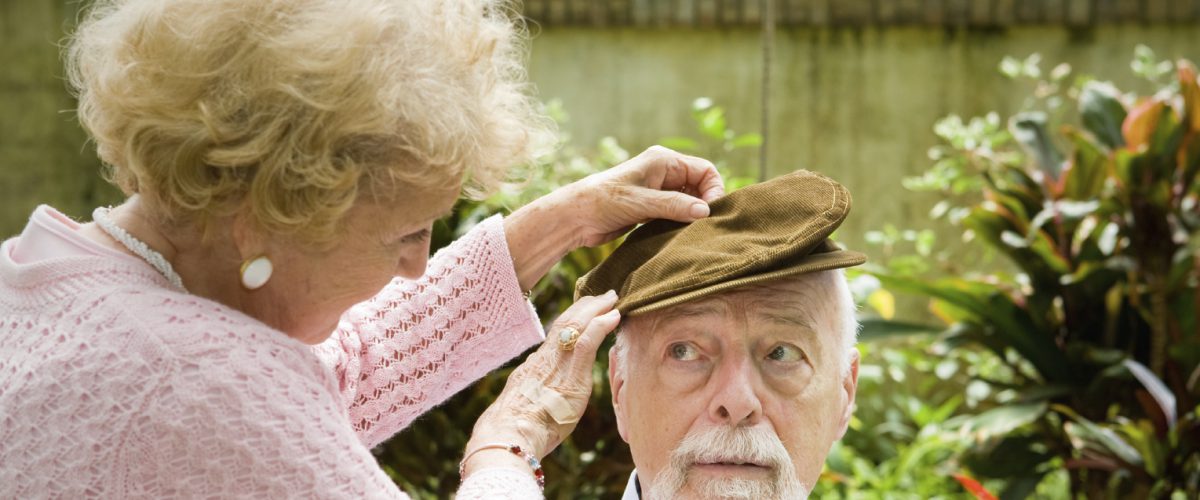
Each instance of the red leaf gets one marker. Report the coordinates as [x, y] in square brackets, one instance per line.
[1189, 86]
[1140, 124]
[974, 487]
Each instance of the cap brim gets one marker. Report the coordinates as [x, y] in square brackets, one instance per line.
[811, 264]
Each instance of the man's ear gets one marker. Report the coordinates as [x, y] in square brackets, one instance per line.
[616, 380]
[850, 385]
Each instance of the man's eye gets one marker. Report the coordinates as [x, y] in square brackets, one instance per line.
[785, 354]
[683, 352]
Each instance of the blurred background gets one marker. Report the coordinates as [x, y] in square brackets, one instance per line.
[1024, 178]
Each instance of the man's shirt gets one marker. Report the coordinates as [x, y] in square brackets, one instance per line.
[633, 490]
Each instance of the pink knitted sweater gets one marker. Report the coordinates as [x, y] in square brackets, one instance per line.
[114, 384]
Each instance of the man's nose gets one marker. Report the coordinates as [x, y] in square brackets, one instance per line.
[735, 401]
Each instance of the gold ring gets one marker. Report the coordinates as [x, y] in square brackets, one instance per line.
[567, 337]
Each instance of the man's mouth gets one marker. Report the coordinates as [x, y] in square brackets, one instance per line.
[732, 467]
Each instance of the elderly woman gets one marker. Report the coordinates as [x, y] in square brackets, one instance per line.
[260, 312]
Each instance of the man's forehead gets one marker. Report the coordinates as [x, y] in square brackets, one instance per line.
[782, 302]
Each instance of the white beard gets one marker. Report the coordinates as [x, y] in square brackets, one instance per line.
[729, 489]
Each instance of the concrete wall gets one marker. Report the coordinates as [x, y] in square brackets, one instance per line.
[43, 155]
[857, 13]
[856, 104]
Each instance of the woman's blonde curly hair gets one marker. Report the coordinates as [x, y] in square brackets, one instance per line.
[295, 109]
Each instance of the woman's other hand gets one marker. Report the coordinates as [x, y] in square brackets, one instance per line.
[657, 184]
[546, 395]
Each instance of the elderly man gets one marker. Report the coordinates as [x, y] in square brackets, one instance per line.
[734, 370]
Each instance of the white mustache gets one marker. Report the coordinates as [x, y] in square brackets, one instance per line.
[733, 445]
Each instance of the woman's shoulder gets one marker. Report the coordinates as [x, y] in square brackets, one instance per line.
[212, 336]
[146, 377]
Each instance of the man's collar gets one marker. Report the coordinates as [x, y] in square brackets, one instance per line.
[633, 489]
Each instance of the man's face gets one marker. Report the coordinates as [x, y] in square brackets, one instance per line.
[738, 394]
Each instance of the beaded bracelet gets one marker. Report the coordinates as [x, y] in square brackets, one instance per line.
[533, 462]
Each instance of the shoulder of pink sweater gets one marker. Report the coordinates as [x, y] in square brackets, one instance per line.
[203, 334]
[163, 395]
[239, 408]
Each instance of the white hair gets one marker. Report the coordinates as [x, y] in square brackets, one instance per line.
[295, 109]
[832, 298]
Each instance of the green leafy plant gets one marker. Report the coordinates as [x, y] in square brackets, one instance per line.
[904, 440]
[717, 140]
[1099, 219]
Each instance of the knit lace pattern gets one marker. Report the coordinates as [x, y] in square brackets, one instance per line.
[114, 384]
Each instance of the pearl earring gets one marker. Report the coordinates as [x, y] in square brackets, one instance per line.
[256, 272]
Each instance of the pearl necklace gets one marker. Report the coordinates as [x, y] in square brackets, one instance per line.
[138, 247]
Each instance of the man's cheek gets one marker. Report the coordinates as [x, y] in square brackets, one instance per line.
[791, 383]
[674, 378]
[807, 433]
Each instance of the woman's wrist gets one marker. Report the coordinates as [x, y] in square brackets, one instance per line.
[501, 456]
[539, 235]
[491, 458]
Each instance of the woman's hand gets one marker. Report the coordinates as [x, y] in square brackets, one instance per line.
[657, 184]
[546, 395]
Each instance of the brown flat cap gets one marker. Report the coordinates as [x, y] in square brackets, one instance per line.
[759, 233]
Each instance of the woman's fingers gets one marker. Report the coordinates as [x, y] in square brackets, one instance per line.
[685, 173]
[592, 336]
[672, 205]
[582, 311]
[696, 175]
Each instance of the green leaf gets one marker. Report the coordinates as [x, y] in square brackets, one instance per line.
[751, 140]
[686, 144]
[1012, 188]
[1141, 435]
[1037, 256]
[1020, 488]
[1108, 238]
[875, 329]
[1086, 172]
[926, 239]
[1003, 420]
[1086, 435]
[1013, 239]
[1060, 72]
[1009, 456]
[712, 123]
[1165, 141]
[1157, 389]
[1075, 210]
[1043, 392]
[1010, 67]
[991, 307]
[1029, 130]
[1102, 113]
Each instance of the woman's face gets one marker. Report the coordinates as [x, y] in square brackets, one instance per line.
[379, 242]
